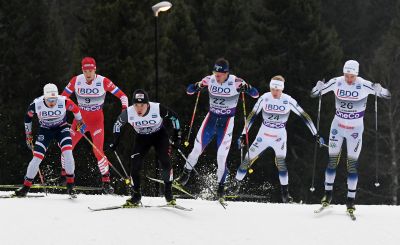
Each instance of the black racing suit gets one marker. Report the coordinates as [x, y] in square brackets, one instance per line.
[159, 139]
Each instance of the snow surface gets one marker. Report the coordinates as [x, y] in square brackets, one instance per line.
[55, 219]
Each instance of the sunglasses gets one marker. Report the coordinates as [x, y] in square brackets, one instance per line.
[51, 100]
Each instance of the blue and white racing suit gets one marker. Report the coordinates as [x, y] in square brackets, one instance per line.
[219, 120]
[272, 133]
[351, 102]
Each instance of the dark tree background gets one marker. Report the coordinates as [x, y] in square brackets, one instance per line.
[43, 41]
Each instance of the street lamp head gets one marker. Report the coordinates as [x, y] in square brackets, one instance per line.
[161, 7]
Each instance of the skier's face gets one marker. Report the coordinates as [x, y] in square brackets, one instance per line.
[89, 75]
[350, 78]
[276, 93]
[141, 108]
[220, 76]
[51, 101]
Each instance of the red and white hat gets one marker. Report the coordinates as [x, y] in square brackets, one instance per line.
[88, 63]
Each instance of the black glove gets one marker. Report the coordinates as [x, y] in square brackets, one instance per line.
[241, 141]
[319, 139]
[113, 146]
[177, 138]
[199, 85]
[243, 87]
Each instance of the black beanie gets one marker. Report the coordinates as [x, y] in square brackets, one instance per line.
[140, 96]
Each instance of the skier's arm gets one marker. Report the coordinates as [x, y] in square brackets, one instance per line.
[242, 86]
[253, 114]
[121, 121]
[71, 106]
[323, 88]
[294, 106]
[382, 92]
[28, 125]
[70, 88]
[28, 118]
[195, 87]
[165, 112]
[109, 86]
[376, 88]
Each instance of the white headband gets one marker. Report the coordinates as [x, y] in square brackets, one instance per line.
[277, 84]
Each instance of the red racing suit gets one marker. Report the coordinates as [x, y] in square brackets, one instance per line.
[90, 97]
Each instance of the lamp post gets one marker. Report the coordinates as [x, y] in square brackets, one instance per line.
[157, 8]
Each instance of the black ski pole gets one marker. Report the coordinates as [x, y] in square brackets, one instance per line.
[246, 130]
[127, 178]
[191, 122]
[376, 141]
[312, 188]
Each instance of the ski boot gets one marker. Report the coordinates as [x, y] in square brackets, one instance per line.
[168, 194]
[350, 205]
[286, 198]
[70, 190]
[221, 194]
[63, 178]
[221, 191]
[134, 201]
[184, 178]
[327, 198]
[235, 186]
[22, 192]
[107, 188]
[62, 181]
[245, 165]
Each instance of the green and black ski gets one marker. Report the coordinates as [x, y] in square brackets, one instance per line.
[175, 185]
[140, 206]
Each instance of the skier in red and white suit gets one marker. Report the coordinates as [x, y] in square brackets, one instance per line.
[90, 90]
